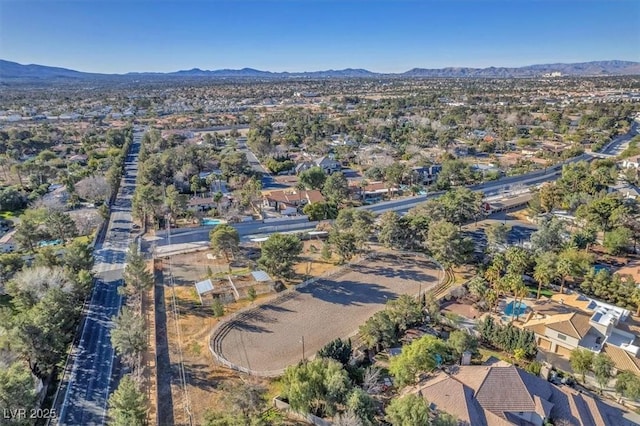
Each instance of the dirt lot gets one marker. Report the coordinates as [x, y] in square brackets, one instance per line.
[269, 337]
[194, 324]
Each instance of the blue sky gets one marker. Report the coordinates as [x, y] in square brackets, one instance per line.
[303, 35]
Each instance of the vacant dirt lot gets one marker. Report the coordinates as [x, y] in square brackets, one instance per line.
[270, 337]
[205, 379]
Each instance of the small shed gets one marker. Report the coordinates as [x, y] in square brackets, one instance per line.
[203, 288]
[261, 276]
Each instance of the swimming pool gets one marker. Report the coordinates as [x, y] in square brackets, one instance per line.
[514, 309]
[207, 221]
[598, 268]
[49, 243]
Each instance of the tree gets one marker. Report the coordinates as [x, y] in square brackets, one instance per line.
[359, 222]
[312, 178]
[336, 188]
[444, 419]
[421, 355]
[338, 349]
[549, 236]
[518, 260]
[497, 234]
[320, 211]
[233, 163]
[478, 286]
[11, 199]
[27, 234]
[42, 332]
[404, 311]
[460, 342]
[145, 202]
[628, 385]
[78, 256]
[250, 192]
[545, 270]
[371, 380]
[137, 278]
[603, 369]
[225, 239]
[362, 405]
[175, 201]
[344, 244]
[17, 390]
[129, 335]
[127, 404]
[572, 262]
[447, 244]
[379, 330]
[279, 253]
[600, 213]
[217, 307]
[251, 294]
[461, 205]
[93, 188]
[408, 410]
[393, 230]
[581, 361]
[617, 241]
[347, 418]
[316, 386]
[60, 225]
[10, 263]
[31, 285]
[244, 397]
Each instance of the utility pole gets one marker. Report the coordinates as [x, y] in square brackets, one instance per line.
[302, 341]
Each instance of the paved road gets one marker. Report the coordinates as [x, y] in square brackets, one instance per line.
[619, 144]
[254, 229]
[85, 390]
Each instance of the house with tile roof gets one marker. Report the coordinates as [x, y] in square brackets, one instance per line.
[501, 395]
[288, 201]
[576, 321]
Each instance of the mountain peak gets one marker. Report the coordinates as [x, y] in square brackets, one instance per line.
[18, 73]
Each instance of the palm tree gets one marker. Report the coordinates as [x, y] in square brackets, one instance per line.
[518, 259]
[520, 291]
[545, 270]
[492, 299]
[572, 261]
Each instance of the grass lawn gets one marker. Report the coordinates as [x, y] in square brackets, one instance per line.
[544, 292]
[86, 239]
[7, 215]
[488, 353]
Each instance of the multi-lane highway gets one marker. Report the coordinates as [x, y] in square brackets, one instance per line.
[91, 373]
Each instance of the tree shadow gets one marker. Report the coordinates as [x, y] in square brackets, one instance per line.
[348, 292]
[197, 375]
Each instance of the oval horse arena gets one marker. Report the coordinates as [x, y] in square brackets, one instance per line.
[267, 338]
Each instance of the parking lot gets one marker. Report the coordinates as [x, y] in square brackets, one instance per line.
[274, 335]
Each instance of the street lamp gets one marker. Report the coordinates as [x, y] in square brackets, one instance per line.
[302, 341]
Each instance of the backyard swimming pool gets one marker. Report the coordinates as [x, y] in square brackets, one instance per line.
[598, 268]
[211, 222]
[514, 309]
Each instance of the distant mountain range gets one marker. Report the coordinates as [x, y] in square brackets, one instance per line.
[12, 72]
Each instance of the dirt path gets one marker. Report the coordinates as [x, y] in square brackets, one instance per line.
[163, 362]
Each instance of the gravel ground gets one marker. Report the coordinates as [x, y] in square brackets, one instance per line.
[269, 337]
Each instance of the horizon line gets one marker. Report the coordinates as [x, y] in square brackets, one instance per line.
[321, 70]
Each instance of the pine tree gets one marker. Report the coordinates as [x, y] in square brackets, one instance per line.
[127, 405]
